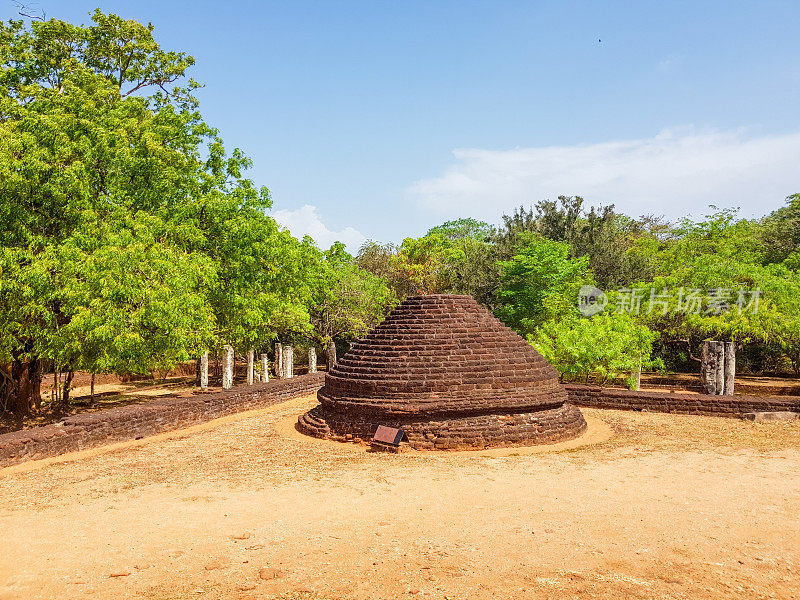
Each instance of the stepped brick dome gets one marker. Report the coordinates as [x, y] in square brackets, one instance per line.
[451, 375]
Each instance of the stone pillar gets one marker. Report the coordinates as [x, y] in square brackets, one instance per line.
[718, 367]
[204, 371]
[312, 360]
[227, 367]
[719, 364]
[250, 367]
[264, 368]
[288, 362]
[707, 369]
[279, 360]
[330, 355]
[730, 367]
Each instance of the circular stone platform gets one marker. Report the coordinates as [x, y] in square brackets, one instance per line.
[447, 372]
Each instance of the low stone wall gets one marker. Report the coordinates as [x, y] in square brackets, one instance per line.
[595, 396]
[89, 430]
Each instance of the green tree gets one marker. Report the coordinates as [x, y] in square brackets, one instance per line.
[379, 259]
[607, 346]
[456, 257]
[463, 228]
[620, 249]
[540, 283]
[712, 270]
[262, 288]
[779, 232]
[108, 179]
[346, 301]
[421, 263]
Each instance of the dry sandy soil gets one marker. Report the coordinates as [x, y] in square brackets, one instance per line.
[668, 507]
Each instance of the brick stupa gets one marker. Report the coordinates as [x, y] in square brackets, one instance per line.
[447, 372]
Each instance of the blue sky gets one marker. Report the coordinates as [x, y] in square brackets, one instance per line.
[381, 119]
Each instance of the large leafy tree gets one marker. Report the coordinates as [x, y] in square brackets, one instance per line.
[455, 257]
[463, 228]
[117, 205]
[540, 283]
[346, 300]
[262, 288]
[779, 233]
[620, 249]
[719, 260]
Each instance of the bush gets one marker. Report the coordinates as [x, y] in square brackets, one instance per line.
[611, 346]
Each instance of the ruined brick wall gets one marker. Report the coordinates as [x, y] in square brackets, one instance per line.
[691, 404]
[89, 430]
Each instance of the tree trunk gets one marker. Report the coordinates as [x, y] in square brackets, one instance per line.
[6, 385]
[67, 386]
[25, 392]
[330, 355]
[91, 391]
[730, 367]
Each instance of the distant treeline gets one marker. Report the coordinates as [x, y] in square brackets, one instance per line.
[668, 286]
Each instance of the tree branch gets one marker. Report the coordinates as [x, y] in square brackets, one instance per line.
[26, 10]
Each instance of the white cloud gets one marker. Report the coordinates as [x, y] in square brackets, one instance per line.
[305, 221]
[676, 173]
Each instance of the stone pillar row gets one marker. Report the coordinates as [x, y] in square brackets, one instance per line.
[284, 365]
[227, 367]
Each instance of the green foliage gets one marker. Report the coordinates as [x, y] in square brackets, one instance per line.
[540, 283]
[96, 269]
[130, 303]
[779, 233]
[462, 228]
[263, 274]
[422, 265]
[346, 301]
[719, 257]
[620, 249]
[129, 237]
[608, 346]
[455, 257]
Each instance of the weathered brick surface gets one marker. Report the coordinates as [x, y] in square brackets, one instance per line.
[451, 375]
[136, 421]
[690, 404]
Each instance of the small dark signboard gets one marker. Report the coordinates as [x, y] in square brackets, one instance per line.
[388, 436]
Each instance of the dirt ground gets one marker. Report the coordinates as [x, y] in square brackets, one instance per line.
[668, 507]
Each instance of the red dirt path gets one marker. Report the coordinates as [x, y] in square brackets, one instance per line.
[670, 507]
